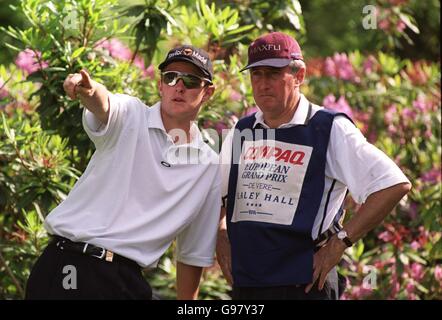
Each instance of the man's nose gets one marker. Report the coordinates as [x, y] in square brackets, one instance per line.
[264, 84]
[180, 85]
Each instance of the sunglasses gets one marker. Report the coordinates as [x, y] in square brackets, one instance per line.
[190, 81]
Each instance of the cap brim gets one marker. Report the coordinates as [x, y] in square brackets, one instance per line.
[181, 58]
[275, 63]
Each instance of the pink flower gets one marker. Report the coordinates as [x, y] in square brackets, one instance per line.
[119, 50]
[410, 287]
[386, 236]
[412, 296]
[380, 264]
[235, 96]
[151, 71]
[340, 67]
[372, 137]
[420, 103]
[116, 49]
[330, 67]
[415, 245]
[394, 234]
[139, 62]
[344, 67]
[220, 126]
[361, 292]
[424, 236]
[412, 212]
[407, 113]
[432, 176]
[417, 271]
[369, 64]
[384, 24]
[395, 286]
[392, 129]
[27, 61]
[390, 113]
[438, 273]
[329, 100]
[341, 105]
[251, 110]
[428, 133]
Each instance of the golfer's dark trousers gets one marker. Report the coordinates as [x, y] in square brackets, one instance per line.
[65, 272]
[332, 290]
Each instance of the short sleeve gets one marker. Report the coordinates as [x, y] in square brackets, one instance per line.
[355, 162]
[99, 133]
[196, 243]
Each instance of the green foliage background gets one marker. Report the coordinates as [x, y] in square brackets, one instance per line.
[393, 90]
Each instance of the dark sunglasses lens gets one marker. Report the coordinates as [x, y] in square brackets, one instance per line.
[169, 78]
[191, 82]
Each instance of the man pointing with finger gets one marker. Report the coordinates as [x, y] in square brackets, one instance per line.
[136, 196]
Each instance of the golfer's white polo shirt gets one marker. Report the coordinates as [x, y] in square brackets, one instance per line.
[352, 162]
[134, 199]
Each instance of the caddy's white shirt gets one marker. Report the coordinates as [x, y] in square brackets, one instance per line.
[351, 160]
[134, 197]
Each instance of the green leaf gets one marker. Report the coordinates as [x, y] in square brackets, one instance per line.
[406, 19]
[54, 69]
[241, 29]
[436, 251]
[134, 10]
[232, 20]
[225, 13]
[421, 287]
[77, 52]
[404, 259]
[12, 47]
[415, 257]
[168, 16]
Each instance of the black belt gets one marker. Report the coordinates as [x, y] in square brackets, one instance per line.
[90, 250]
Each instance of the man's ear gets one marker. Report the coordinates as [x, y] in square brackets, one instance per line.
[160, 87]
[300, 76]
[208, 93]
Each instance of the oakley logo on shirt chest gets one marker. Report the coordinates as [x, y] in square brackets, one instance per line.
[166, 164]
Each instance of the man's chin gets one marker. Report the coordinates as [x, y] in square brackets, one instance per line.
[179, 112]
[267, 107]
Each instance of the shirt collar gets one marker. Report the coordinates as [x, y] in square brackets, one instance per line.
[154, 121]
[299, 118]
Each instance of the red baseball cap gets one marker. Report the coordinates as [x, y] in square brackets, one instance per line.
[275, 49]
